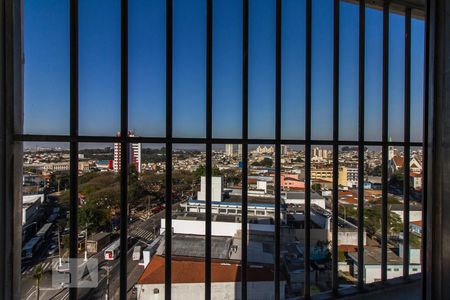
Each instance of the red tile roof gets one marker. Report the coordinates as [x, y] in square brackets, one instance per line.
[348, 248]
[398, 161]
[418, 223]
[188, 270]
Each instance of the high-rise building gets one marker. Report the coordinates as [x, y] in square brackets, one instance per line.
[229, 150]
[284, 149]
[239, 150]
[134, 154]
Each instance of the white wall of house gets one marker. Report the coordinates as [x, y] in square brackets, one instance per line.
[373, 272]
[414, 215]
[414, 254]
[219, 290]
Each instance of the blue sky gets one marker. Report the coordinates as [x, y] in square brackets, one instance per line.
[47, 69]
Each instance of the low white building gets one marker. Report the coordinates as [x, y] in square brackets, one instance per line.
[298, 198]
[216, 189]
[372, 265]
[30, 205]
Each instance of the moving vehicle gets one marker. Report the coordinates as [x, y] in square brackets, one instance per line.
[45, 230]
[113, 251]
[137, 253]
[31, 248]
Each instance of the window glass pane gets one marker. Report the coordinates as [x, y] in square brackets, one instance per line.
[395, 210]
[146, 67]
[322, 70]
[227, 69]
[417, 78]
[396, 76]
[99, 67]
[261, 219]
[261, 82]
[320, 241]
[373, 75]
[99, 215]
[227, 224]
[293, 70]
[348, 216]
[416, 207]
[348, 71]
[189, 67]
[188, 225]
[146, 198]
[293, 217]
[46, 68]
[372, 214]
[45, 218]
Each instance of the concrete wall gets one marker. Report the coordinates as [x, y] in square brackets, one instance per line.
[219, 291]
[217, 228]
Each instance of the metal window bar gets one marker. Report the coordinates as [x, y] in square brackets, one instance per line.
[308, 20]
[278, 148]
[425, 145]
[168, 215]
[335, 207]
[125, 140]
[384, 175]
[361, 111]
[208, 169]
[73, 226]
[123, 149]
[407, 149]
[245, 25]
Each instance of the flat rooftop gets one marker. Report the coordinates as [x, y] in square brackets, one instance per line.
[196, 216]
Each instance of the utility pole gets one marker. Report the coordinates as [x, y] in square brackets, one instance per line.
[85, 243]
[59, 249]
[108, 269]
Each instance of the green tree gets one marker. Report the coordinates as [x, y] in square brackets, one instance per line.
[266, 162]
[316, 187]
[201, 171]
[96, 216]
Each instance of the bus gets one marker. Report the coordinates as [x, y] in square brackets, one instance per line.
[113, 251]
[31, 247]
[45, 230]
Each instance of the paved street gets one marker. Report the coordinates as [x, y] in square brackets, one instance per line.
[143, 231]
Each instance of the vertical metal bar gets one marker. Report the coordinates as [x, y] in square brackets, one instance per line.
[407, 138]
[384, 175]
[245, 16]
[124, 149]
[168, 215]
[208, 170]
[73, 145]
[335, 210]
[277, 148]
[425, 150]
[361, 99]
[306, 292]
